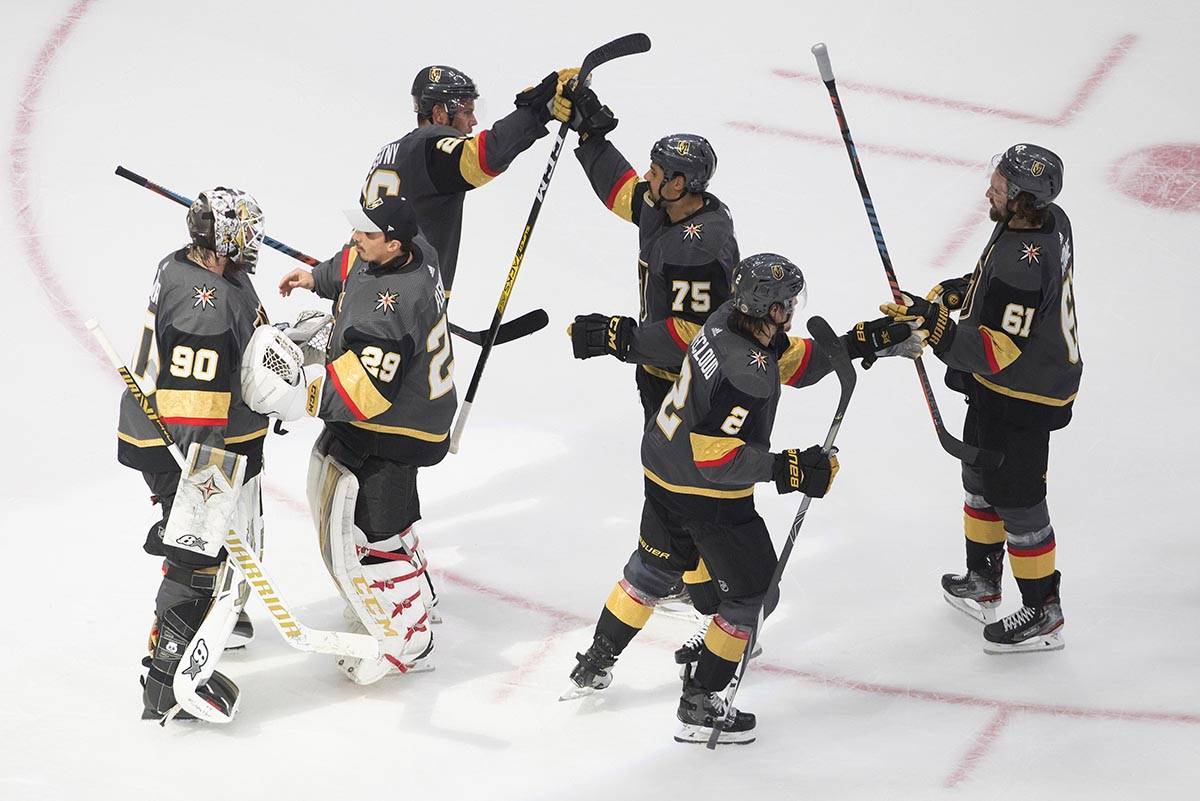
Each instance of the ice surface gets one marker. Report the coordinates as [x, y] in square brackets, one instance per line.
[870, 687]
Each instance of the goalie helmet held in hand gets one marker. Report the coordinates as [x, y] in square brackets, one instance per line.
[766, 278]
[228, 222]
[441, 84]
[688, 155]
[1033, 169]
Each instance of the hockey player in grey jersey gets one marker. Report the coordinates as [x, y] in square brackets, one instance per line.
[702, 453]
[202, 312]
[385, 389]
[439, 161]
[1015, 354]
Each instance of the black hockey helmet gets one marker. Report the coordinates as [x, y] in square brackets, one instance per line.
[766, 278]
[442, 84]
[1032, 169]
[228, 222]
[688, 155]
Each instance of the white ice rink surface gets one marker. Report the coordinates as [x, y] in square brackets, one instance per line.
[870, 686]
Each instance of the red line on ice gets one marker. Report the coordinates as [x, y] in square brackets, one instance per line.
[22, 198]
[979, 747]
[1083, 94]
[899, 152]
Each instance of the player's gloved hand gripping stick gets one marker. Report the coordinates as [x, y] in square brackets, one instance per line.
[243, 557]
[968, 454]
[523, 326]
[624, 46]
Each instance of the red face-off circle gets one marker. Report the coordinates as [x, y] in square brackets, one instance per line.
[1163, 176]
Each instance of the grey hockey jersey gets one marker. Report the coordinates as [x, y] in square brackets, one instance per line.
[389, 388]
[188, 361]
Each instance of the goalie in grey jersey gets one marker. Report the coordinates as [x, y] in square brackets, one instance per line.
[702, 454]
[384, 386]
[202, 312]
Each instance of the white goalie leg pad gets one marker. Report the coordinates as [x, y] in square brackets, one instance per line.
[388, 598]
[249, 519]
[206, 502]
[218, 702]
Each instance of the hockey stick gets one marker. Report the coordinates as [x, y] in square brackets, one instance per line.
[523, 326]
[968, 454]
[624, 46]
[295, 633]
[844, 368]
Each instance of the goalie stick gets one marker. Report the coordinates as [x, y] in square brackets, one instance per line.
[523, 326]
[844, 368]
[624, 46]
[295, 633]
[968, 454]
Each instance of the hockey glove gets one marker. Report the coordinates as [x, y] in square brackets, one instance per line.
[881, 338]
[590, 117]
[930, 321]
[540, 98]
[561, 107]
[598, 334]
[950, 293]
[809, 471]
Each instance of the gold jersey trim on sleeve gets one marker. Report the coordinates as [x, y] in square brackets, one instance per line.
[705, 491]
[794, 360]
[709, 451]
[402, 432]
[355, 386]
[472, 161]
[1001, 350]
[1028, 396]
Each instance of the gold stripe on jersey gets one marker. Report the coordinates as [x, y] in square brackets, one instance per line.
[156, 442]
[1002, 351]
[1029, 396]
[472, 161]
[622, 197]
[658, 372]
[401, 431]
[697, 576]
[705, 491]
[194, 404]
[355, 385]
[626, 607]
[712, 451]
[682, 331]
[724, 640]
[794, 360]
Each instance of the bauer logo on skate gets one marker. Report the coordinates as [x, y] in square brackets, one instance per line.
[249, 568]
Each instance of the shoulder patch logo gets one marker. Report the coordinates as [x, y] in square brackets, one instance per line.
[205, 296]
[1031, 253]
[758, 359]
[385, 301]
[692, 231]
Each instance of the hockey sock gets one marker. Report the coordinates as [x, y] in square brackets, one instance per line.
[984, 532]
[724, 644]
[625, 613]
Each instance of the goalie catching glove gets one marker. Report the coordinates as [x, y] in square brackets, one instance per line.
[275, 379]
[930, 321]
[809, 471]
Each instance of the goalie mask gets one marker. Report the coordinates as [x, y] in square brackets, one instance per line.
[228, 222]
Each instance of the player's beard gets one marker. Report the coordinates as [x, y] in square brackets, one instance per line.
[994, 214]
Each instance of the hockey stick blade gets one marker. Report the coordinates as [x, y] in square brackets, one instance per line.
[627, 45]
[523, 326]
[830, 343]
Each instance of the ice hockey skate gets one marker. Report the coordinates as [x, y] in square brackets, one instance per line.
[1030, 628]
[678, 605]
[593, 671]
[369, 671]
[974, 593]
[689, 652]
[701, 710]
